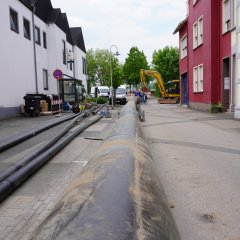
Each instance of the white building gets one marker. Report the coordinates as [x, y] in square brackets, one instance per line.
[27, 66]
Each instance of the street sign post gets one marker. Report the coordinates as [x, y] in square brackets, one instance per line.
[58, 74]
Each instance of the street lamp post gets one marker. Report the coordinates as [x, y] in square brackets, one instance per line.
[116, 54]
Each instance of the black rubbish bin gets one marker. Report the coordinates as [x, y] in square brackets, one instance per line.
[32, 104]
[75, 108]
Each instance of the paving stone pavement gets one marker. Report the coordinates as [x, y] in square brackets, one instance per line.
[197, 158]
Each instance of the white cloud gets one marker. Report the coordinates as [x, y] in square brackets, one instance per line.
[125, 23]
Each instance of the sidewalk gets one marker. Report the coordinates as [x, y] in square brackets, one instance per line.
[26, 208]
[197, 156]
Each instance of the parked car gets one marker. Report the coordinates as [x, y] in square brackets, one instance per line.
[100, 91]
[121, 95]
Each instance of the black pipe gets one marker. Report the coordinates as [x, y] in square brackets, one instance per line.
[10, 141]
[14, 180]
[118, 196]
[22, 162]
[98, 109]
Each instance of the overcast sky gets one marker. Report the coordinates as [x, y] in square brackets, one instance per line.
[146, 24]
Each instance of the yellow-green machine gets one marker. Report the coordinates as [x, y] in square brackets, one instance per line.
[170, 94]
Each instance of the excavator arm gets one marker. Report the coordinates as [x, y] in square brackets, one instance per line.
[160, 83]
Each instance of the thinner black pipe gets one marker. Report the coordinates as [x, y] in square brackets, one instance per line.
[22, 162]
[10, 141]
[98, 109]
[14, 180]
[118, 196]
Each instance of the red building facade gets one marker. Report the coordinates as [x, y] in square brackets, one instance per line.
[205, 54]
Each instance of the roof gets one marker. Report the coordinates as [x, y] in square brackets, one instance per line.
[77, 37]
[180, 26]
[60, 19]
[45, 11]
[43, 7]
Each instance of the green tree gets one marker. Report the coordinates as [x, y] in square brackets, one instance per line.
[118, 75]
[99, 68]
[91, 68]
[166, 62]
[135, 61]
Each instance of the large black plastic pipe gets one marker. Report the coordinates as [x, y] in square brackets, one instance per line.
[22, 162]
[14, 180]
[10, 141]
[118, 196]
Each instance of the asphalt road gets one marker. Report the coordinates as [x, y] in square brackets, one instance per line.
[197, 157]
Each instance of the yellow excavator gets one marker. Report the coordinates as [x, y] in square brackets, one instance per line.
[169, 95]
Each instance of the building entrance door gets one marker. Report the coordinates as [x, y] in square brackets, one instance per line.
[184, 89]
[226, 84]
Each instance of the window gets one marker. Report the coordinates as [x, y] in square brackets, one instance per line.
[44, 40]
[187, 8]
[195, 35]
[64, 52]
[198, 33]
[84, 66]
[184, 47]
[14, 20]
[228, 13]
[45, 79]
[37, 35]
[233, 14]
[198, 79]
[26, 28]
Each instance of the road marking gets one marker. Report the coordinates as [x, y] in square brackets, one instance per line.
[83, 162]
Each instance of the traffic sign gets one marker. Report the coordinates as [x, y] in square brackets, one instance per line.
[57, 73]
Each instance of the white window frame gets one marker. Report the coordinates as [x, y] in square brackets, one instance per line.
[226, 13]
[198, 79]
[187, 7]
[200, 31]
[184, 46]
[233, 13]
[195, 80]
[195, 35]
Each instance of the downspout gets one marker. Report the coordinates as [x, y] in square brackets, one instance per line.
[33, 5]
[188, 73]
[237, 83]
[219, 55]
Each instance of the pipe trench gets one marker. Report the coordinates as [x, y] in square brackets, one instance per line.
[118, 196]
